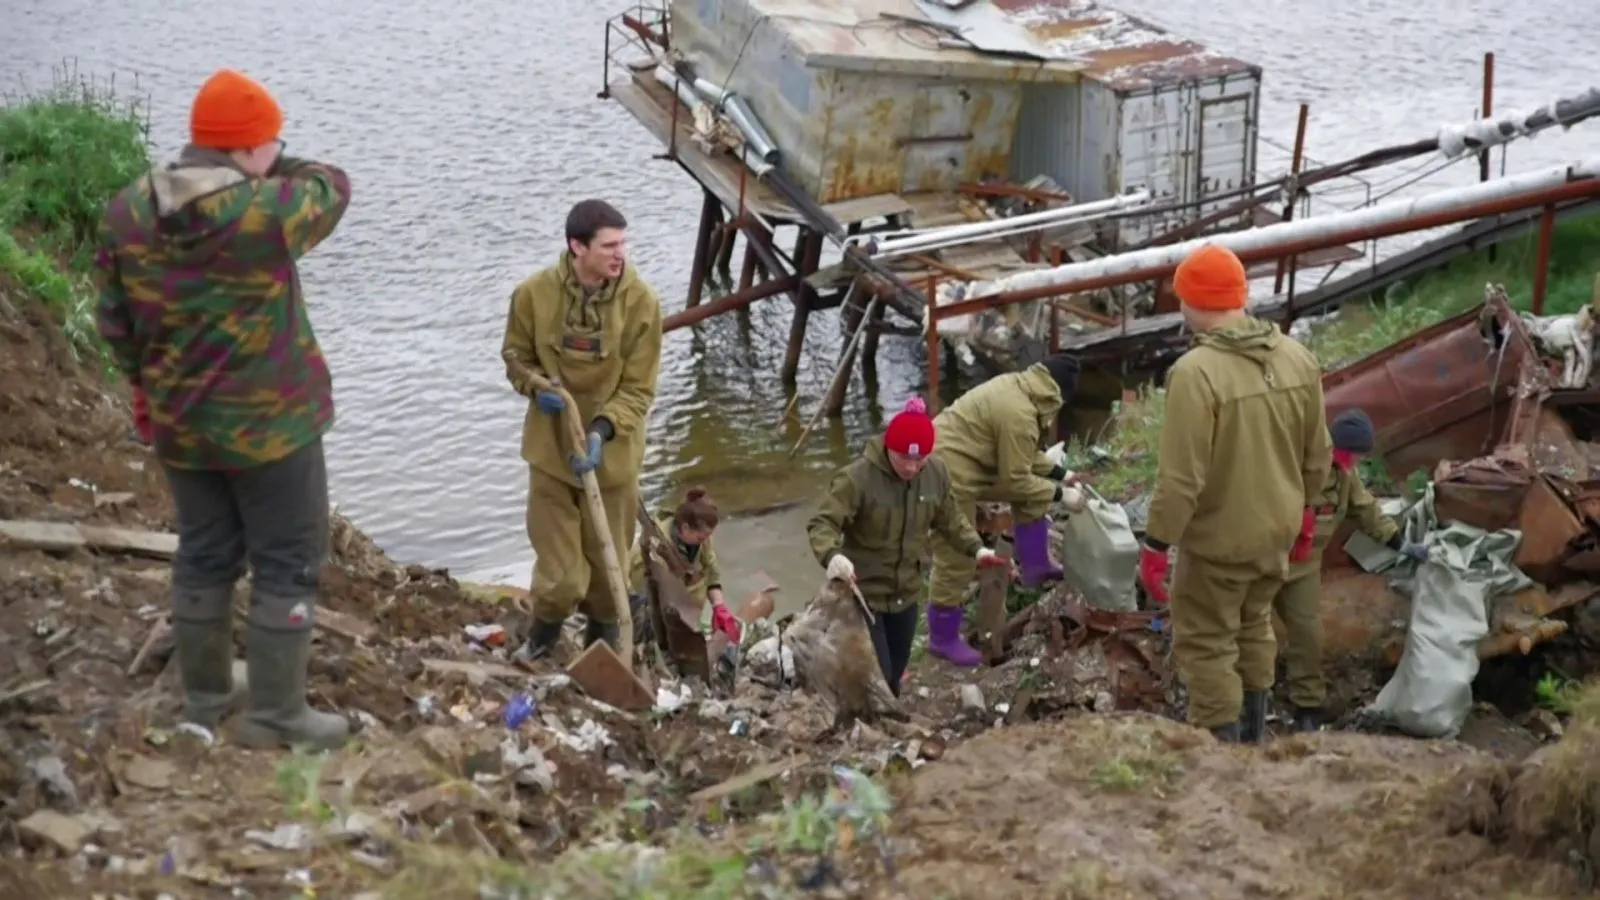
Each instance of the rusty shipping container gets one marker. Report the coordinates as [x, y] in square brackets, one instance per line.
[862, 102]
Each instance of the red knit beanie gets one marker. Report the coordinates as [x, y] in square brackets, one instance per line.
[910, 432]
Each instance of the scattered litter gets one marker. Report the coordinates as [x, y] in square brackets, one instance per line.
[486, 635]
[284, 837]
[518, 710]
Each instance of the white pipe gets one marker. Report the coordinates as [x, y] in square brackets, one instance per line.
[958, 240]
[1042, 219]
[1270, 236]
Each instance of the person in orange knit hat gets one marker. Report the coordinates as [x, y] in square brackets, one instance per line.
[201, 307]
[1244, 455]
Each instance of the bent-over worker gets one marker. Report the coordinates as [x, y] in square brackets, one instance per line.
[1297, 601]
[201, 306]
[1243, 457]
[591, 325]
[690, 528]
[874, 529]
[990, 441]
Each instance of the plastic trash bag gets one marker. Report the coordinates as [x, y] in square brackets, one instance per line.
[1100, 554]
[1430, 694]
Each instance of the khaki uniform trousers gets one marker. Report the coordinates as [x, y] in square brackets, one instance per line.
[1297, 605]
[953, 567]
[569, 568]
[1222, 636]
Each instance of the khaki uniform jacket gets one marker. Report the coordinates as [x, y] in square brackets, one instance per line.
[1345, 496]
[998, 427]
[604, 349]
[1244, 446]
[881, 523]
[703, 574]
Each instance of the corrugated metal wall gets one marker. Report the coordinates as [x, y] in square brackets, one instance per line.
[1170, 140]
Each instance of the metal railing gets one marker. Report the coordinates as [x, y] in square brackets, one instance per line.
[644, 28]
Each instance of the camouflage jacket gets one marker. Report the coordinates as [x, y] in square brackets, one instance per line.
[200, 303]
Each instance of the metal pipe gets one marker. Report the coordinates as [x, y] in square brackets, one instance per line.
[1547, 225]
[1289, 232]
[728, 302]
[738, 112]
[1274, 241]
[1032, 251]
[940, 237]
[1490, 131]
[1488, 110]
[1294, 170]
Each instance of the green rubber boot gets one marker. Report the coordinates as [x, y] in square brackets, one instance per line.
[602, 631]
[279, 715]
[202, 635]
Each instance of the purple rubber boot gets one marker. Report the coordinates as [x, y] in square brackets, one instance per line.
[1033, 552]
[945, 640]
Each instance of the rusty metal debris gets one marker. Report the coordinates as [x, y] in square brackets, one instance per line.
[1471, 403]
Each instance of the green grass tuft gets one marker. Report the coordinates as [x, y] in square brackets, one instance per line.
[64, 151]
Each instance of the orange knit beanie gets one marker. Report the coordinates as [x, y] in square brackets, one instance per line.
[1212, 278]
[233, 112]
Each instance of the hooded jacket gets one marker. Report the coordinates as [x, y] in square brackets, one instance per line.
[882, 524]
[996, 429]
[1244, 446]
[201, 306]
[605, 349]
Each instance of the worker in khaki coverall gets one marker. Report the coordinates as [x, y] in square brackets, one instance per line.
[590, 323]
[989, 441]
[1297, 601]
[1244, 455]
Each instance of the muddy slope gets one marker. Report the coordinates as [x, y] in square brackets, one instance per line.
[99, 792]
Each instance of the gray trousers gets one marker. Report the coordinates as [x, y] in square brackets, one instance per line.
[271, 520]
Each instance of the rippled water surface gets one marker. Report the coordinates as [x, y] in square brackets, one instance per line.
[469, 129]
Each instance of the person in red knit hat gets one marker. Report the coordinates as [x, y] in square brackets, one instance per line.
[875, 525]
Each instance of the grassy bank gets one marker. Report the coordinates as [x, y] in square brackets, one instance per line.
[64, 152]
[1122, 461]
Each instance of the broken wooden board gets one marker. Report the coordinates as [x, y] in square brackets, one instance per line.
[603, 676]
[476, 672]
[993, 582]
[61, 537]
[749, 778]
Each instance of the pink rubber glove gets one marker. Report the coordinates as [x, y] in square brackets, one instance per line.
[723, 620]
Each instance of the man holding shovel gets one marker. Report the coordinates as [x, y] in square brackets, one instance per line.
[587, 328]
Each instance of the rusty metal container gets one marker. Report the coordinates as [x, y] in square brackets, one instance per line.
[862, 103]
[1442, 394]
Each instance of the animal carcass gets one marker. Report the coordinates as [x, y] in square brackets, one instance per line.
[833, 655]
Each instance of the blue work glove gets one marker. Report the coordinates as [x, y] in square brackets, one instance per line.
[550, 402]
[1414, 551]
[584, 463]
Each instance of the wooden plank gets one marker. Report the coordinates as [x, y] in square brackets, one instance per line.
[124, 540]
[51, 537]
[475, 671]
[860, 209]
[59, 537]
[647, 104]
[749, 779]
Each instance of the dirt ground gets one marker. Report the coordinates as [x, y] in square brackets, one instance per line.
[1014, 791]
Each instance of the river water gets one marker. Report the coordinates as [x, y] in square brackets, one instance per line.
[469, 128]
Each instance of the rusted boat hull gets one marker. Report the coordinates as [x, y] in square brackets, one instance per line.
[1469, 401]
